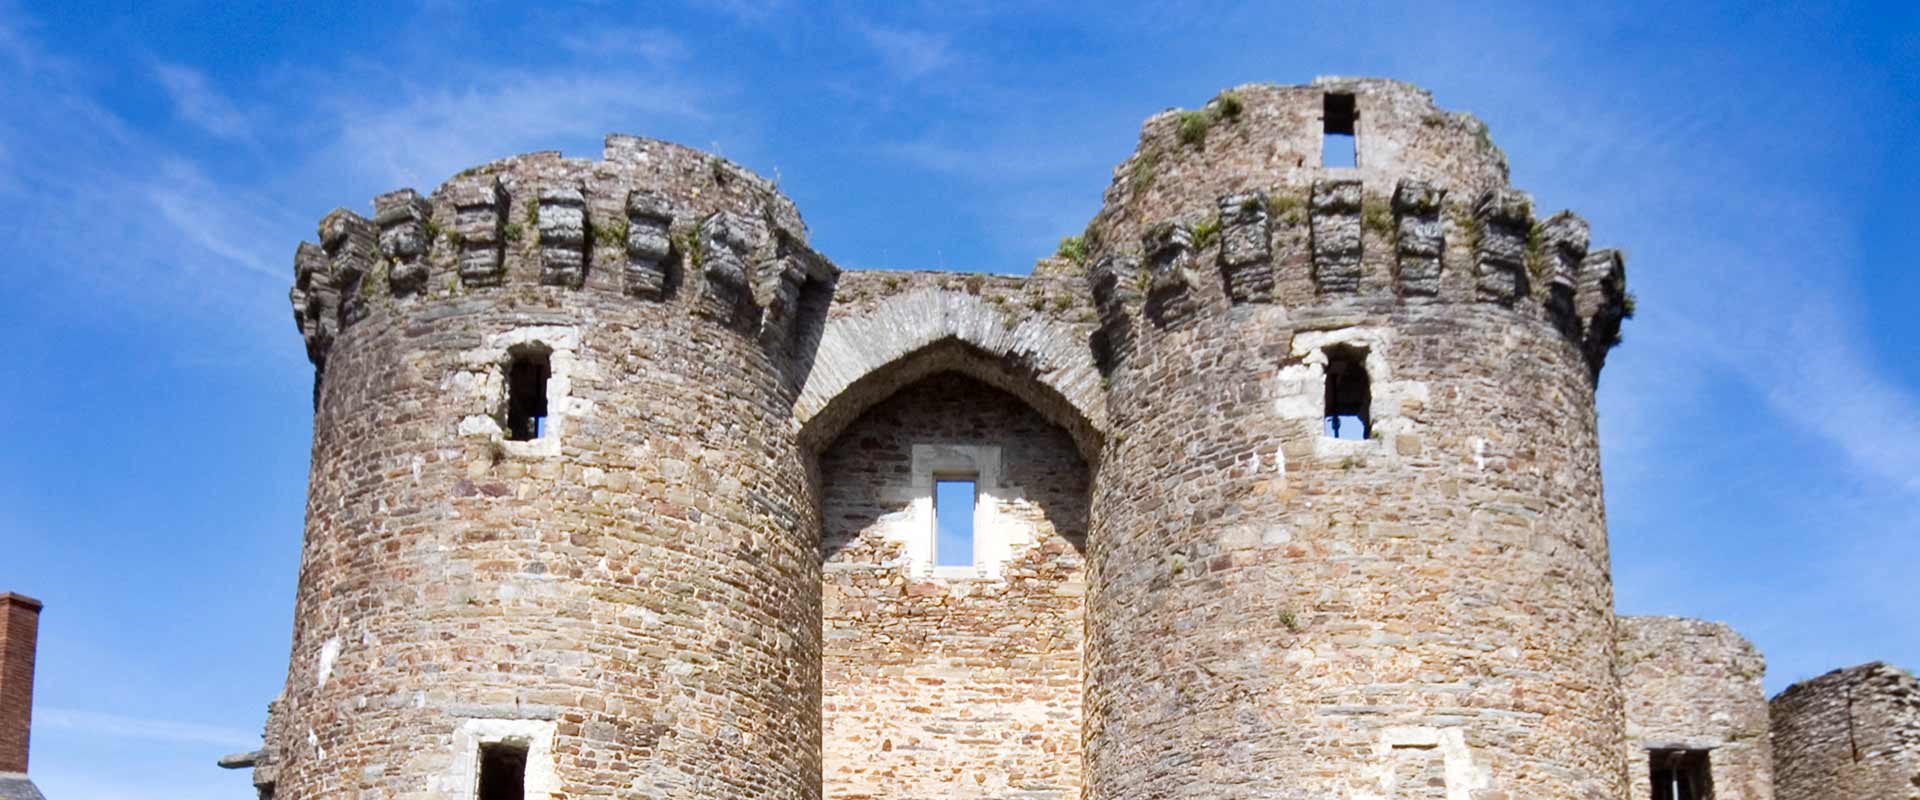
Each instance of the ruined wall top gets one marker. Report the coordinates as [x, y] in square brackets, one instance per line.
[1254, 137]
[1695, 686]
[1852, 732]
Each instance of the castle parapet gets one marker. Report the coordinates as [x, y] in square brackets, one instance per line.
[647, 221]
[1232, 205]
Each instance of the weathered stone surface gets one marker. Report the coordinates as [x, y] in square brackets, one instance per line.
[1115, 282]
[1851, 733]
[1563, 249]
[349, 242]
[649, 245]
[1246, 251]
[562, 218]
[479, 227]
[1169, 264]
[316, 301]
[1602, 300]
[402, 217]
[1695, 685]
[1504, 221]
[1334, 210]
[1420, 239]
[727, 242]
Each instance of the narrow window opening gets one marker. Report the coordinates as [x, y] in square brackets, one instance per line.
[1681, 774]
[503, 771]
[1338, 146]
[954, 500]
[527, 395]
[1349, 394]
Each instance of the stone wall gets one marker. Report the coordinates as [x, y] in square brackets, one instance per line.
[1696, 685]
[633, 597]
[952, 682]
[1275, 613]
[1849, 734]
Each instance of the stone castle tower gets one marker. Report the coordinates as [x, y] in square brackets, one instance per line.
[619, 489]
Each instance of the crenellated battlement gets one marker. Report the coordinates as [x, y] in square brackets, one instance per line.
[651, 221]
[1231, 205]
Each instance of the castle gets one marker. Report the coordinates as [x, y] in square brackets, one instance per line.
[1282, 478]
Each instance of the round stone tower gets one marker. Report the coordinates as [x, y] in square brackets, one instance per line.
[1419, 606]
[558, 530]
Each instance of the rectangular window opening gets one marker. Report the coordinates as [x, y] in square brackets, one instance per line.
[503, 771]
[1681, 774]
[1349, 394]
[527, 395]
[954, 500]
[1338, 144]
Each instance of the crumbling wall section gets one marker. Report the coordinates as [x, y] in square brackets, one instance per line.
[1851, 733]
[1696, 685]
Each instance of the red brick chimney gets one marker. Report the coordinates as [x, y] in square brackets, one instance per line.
[19, 628]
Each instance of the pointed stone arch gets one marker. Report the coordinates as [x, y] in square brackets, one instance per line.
[865, 358]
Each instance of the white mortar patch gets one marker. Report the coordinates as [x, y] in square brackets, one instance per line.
[329, 653]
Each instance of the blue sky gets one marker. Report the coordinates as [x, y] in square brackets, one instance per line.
[158, 162]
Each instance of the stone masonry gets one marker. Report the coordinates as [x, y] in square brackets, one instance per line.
[1850, 733]
[615, 475]
[962, 684]
[1694, 686]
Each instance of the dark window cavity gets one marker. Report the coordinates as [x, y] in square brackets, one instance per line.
[1337, 147]
[503, 772]
[527, 376]
[1681, 774]
[953, 504]
[1349, 394]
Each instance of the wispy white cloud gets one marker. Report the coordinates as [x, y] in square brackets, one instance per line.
[652, 45]
[1818, 376]
[751, 11]
[212, 219]
[434, 131]
[995, 161]
[118, 726]
[197, 102]
[908, 54]
[136, 225]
